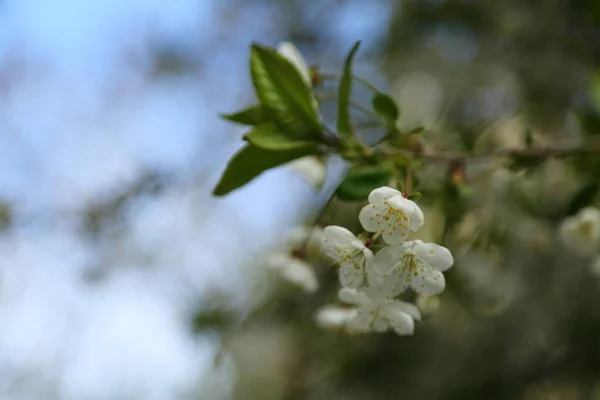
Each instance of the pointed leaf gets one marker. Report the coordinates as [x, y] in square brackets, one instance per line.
[361, 181]
[386, 108]
[250, 162]
[282, 90]
[344, 92]
[271, 137]
[253, 115]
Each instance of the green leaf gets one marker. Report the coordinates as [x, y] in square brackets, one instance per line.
[252, 116]
[415, 196]
[284, 93]
[344, 92]
[360, 181]
[271, 137]
[386, 108]
[251, 161]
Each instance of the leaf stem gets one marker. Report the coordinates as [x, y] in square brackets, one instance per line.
[366, 83]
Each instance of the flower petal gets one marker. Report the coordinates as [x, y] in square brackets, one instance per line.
[353, 296]
[389, 273]
[401, 203]
[395, 228]
[417, 219]
[371, 215]
[352, 272]
[381, 194]
[301, 274]
[427, 281]
[359, 324]
[311, 168]
[403, 324]
[403, 307]
[435, 255]
[332, 316]
[337, 236]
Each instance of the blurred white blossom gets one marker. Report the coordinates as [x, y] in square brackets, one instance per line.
[312, 169]
[334, 317]
[391, 213]
[581, 233]
[307, 239]
[428, 304]
[349, 253]
[294, 270]
[376, 313]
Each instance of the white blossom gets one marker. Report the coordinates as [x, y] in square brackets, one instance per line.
[349, 253]
[335, 317]
[309, 238]
[294, 270]
[293, 55]
[428, 304]
[392, 214]
[376, 313]
[581, 232]
[313, 169]
[412, 264]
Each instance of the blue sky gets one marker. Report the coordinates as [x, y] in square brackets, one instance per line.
[81, 121]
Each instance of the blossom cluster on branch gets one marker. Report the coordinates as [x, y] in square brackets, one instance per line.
[371, 283]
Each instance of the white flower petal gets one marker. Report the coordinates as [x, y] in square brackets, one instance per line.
[417, 219]
[301, 274]
[360, 324]
[311, 168]
[334, 316]
[427, 281]
[293, 55]
[370, 216]
[381, 194]
[379, 325]
[298, 237]
[389, 274]
[278, 260]
[395, 229]
[402, 204]
[337, 236]
[402, 307]
[435, 255]
[402, 323]
[428, 304]
[353, 296]
[352, 272]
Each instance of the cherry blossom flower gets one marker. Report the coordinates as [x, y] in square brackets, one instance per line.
[412, 264]
[349, 253]
[392, 214]
[375, 313]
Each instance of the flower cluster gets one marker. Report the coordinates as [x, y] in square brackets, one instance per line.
[372, 282]
[580, 233]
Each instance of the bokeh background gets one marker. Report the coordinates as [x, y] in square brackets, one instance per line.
[121, 277]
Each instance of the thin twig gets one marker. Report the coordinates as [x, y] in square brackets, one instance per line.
[526, 153]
